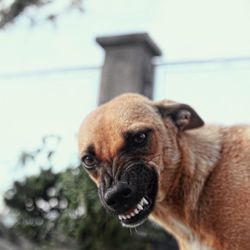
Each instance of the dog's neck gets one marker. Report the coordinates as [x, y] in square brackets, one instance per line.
[199, 153]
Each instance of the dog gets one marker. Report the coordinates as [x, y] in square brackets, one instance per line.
[159, 160]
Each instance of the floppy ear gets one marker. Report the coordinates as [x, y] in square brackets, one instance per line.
[183, 116]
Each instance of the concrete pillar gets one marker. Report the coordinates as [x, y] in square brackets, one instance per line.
[128, 65]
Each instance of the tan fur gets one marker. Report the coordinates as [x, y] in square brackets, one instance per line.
[204, 174]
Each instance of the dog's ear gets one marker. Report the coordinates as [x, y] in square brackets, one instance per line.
[183, 116]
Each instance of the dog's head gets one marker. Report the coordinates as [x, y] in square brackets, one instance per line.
[125, 146]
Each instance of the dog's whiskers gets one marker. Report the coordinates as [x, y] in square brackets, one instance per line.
[137, 232]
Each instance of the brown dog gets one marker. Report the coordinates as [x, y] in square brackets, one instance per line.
[157, 159]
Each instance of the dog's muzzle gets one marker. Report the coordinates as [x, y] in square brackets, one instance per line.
[119, 195]
[132, 196]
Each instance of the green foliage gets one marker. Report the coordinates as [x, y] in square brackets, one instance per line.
[30, 200]
[60, 208]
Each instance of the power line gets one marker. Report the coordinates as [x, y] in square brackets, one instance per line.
[66, 70]
[42, 72]
[204, 61]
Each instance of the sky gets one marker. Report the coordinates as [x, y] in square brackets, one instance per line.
[31, 107]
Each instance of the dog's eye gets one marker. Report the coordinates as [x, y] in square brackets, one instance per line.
[140, 138]
[89, 161]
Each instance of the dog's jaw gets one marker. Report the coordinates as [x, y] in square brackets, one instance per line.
[144, 179]
[133, 213]
[136, 215]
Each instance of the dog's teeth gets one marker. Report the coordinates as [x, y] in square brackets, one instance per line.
[139, 207]
[145, 201]
[136, 211]
[142, 202]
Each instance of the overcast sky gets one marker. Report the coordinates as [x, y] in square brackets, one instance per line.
[195, 29]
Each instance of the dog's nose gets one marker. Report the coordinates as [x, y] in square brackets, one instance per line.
[118, 195]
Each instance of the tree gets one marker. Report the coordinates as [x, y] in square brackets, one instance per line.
[11, 10]
[63, 209]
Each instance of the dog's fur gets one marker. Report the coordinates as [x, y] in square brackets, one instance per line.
[203, 196]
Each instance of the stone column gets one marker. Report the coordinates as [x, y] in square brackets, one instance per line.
[128, 65]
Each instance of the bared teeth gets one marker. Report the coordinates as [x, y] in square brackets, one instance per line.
[144, 201]
[136, 211]
[138, 208]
